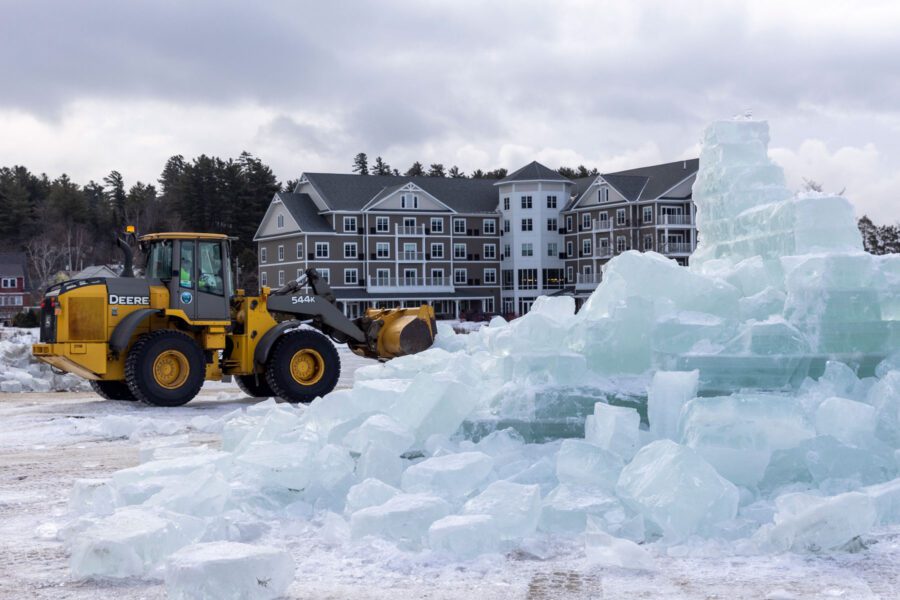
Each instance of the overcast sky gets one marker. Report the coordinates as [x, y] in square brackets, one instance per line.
[92, 86]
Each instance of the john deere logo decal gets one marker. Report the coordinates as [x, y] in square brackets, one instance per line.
[187, 297]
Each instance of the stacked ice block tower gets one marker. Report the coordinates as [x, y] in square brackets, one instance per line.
[807, 292]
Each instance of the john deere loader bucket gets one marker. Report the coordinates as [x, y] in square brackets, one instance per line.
[397, 332]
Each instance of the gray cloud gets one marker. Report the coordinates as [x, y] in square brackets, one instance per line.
[420, 80]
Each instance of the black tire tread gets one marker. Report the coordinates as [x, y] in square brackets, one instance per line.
[309, 339]
[112, 390]
[134, 355]
[255, 386]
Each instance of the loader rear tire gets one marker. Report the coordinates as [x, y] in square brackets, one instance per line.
[112, 390]
[165, 368]
[303, 366]
[254, 386]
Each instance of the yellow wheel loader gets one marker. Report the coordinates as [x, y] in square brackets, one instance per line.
[158, 338]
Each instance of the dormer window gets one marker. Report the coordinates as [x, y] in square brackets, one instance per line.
[409, 201]
[279, 221]
[604, 194]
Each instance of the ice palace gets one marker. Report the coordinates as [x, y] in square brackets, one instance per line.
[751, 400]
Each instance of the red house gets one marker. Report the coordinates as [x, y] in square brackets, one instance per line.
[13, 295]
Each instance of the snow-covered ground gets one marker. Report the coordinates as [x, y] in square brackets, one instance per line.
[48, 441]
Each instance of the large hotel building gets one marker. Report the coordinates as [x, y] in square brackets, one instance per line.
[470, 246]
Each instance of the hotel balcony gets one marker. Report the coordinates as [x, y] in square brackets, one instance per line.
[676, 248]
[587, 281]
[677, 220]
[407, 256]
[409, 284]
[602, 225]
[407, 230]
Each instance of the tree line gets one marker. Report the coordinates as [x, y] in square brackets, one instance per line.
[62, 225]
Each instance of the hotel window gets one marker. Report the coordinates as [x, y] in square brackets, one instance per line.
[459, 251]
[459, 226]
[351, 276]
[350, 224]
[382, 250]
[506, 204]
[620, 216]
[437, 251]
[527, 250]
[551, 201]
[350, 250]
[383, 276]
[506, 225]
[437, 276]
[648, 242]
[551, 225]
[569, 223]
[490, 276]
[280, 221]
[381, 224]
[648, 214]
[526, 202]
[506, 252]
[490, 251]
[586, 247]
[620, 244]
[409, 222]
[280, 253]
[527, 225]
[604, 194]
[460, 276]
[409, 201]
[263, 278]
[585, 221]
[489, 226]
[528, 279]
[569, 249]
[299, 250]
[570, 272]
[437, 225]
[299, 273]
[280, 277]
[552, 249]
[325, 274]
[321, 249]
[263, 255]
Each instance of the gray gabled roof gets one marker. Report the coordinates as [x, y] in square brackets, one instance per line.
[352, 192]
[534, 171]
[305, 213]
[644, 183]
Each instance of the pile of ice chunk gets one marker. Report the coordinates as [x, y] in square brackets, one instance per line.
[752, 398]
[20, 372]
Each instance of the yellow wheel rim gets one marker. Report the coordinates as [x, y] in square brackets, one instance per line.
[171, 369]
[307, 366]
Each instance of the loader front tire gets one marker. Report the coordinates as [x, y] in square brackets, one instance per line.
[112, 390]
[254, 386]
[165, 368]
[303, 365]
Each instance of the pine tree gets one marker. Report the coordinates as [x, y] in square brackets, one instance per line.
[115, 193]
[496, 174]
[436, 170]
[416, 170]
[455, 173]
[361, 164]
[381, 167]
[477, 174]
[869, 233]
[290, 185]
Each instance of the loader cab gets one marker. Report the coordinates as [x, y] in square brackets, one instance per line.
[195, 267]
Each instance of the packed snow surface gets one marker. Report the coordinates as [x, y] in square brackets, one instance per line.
[749, 402]
[20, 372]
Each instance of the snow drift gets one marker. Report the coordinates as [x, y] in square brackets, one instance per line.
[753, 397]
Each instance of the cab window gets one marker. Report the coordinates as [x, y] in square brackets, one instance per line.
[210, 280]
[159, 261]
[186, 272]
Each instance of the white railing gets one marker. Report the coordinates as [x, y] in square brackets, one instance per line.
[675, 220]
[602, 224]
[409, 284]
[601, 252]
[409, 229]
[675, 248]
[407, 255]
